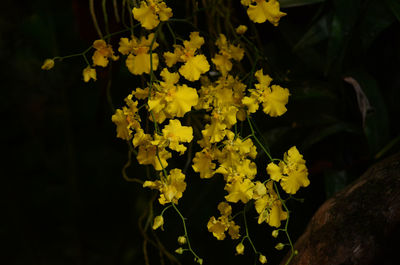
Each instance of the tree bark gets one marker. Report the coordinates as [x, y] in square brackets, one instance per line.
[359, 225]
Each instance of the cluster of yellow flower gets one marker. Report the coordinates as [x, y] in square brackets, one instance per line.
[224, 99]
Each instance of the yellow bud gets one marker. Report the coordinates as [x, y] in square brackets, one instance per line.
[158, 221]
[296, 252]
[200, 261]
[262, 259]
[241, 29]
[275, 233]
[240, 249]
[279, 246]
[179, 251]
[182, 240]
[48, 64]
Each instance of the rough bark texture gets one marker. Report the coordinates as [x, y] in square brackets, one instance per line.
[359, 225]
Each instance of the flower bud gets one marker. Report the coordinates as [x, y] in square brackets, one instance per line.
[280, 246]
[275, 233]
[158, 221]
[241, 29]
[199, 260]
[240, 249]
[262, 259]
[179, 251]
[48, 64]
[182, 240]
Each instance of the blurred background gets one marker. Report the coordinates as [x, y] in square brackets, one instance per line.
[66, 201]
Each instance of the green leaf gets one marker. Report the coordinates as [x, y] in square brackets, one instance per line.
[377, 130]
[294, 3]
[317, 33]
[394, 5]
[376, 19]
[335, 181]
[328, 131]
[342, 29]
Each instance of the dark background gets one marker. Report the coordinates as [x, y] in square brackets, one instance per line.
[65, 201]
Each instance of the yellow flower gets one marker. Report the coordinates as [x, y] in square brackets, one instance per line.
[291, 173]
[147, 155]
[48, 64]
[174, 133]
[224, 208]
[151, 12]
[241, 29]
[269, 207]
[218, 227]
[127, 119]
[227, 51]
[240, 249]
[158, 222]
[273, 98]
[239, 190]
[194, 64]
[170, 100]
[89, 73]
[139, 60]
[233, 230]
[202, 163]
[120, 120]
[215, 131]
[263, 11]
[103, 53]
[171, 188]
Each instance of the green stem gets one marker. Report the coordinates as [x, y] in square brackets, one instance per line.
[256, 139]
[185, 231]
[292, 252]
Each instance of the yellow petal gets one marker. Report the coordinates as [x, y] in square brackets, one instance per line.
[274, 171]
[274, 100]
[264, 11]
[89, 73]
[194, 67]
[184, 99]
[145, 15]
[140, 63]
[120, 120]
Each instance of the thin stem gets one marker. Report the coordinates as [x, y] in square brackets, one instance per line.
[94, 19]
[105, 15]
[185, 231]
[292, 252]
[247, 236]
[258, 141]
[127, 165]
[116, 11]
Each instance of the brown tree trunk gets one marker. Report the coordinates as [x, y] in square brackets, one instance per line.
[359, 225]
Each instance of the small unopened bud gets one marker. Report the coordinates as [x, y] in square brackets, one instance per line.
[182, 240]
[275, 233]
[241, 29]
[48, 64]
[262, 259]
[240, 249]
[199, 260]
[296, 252]
[280, 246]
[158, 221]
[179, 251]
